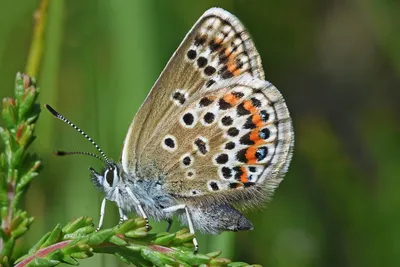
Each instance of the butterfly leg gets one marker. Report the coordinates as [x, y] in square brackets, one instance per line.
[122, 216]
[169, 221]
[189, 220]
[139, 205]
[102, 213]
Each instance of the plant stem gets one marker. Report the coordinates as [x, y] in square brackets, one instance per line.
[37, 44]
[43, 252]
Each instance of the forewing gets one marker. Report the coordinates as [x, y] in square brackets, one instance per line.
[230, 138]
[217, 48]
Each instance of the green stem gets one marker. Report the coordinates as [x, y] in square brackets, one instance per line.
[17, 168]
[37, 44]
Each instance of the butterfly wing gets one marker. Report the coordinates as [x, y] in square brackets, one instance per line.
[232, 141]
[215, 49]
[211, 126]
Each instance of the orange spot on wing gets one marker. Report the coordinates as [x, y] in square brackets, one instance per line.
[237, 72]
[256, 119]
[249, 106]
[231, 66]
[217, 40]
[231, 99]
[254, 136]
[244, 178]
[251, 155]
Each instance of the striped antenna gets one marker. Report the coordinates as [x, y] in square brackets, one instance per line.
[65, 153]
[61, 117]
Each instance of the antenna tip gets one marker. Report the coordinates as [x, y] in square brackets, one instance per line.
[52, 111]
[59, 153]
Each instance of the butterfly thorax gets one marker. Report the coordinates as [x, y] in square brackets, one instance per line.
[117, 186]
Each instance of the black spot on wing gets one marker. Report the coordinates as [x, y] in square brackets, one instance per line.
[227, 120]
[261, 153]
[249, 123]
[169, 142]
[226, 172]
[245, 140]
[201, 146]
[230, 145]
[209, 70]
[241, 111]
[188, 119]
[179, 97]
[222, 158]
[200, 40]
[214, 186]
[209, 117]
[205, 101]
[264, 133]
[209, 83]
[201, 62]
[214, 46]
[186, 161]
[264, 115]
[233, 131]
[241, 155]
[191, 54]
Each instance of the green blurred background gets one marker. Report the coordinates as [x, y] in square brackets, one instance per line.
[337, 63]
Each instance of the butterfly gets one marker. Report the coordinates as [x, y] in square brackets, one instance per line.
[211, 139]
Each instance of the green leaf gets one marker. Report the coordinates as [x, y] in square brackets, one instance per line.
[100, 236]
[164, 239]
[26, 179]
[183, 238]
[151, 256]
[190, 257]
[76, 224]
[137, 233]
[19, 87]
[122, 258]
[214, 254]
[118, 241]
[74, 248]
[68, 259]
[28, 99]
[53, 237]
[81, 232]
[219, 262]
[9, 112]
[39, 244]
[19, 232]
[126, 226]
[40, 262]
[82, 255]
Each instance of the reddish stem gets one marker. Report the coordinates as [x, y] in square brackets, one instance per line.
[43, 252]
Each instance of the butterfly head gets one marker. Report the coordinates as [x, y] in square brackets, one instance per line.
[108, 179]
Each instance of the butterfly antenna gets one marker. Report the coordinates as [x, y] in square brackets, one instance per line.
[65, 153]
[61, 117]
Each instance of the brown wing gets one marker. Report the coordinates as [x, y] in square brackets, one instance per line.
[215, 49]
[232, 141]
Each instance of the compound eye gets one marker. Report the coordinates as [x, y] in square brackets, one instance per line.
[109, 176]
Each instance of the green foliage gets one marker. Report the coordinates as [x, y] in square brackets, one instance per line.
[129, 242]
[17, 167]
